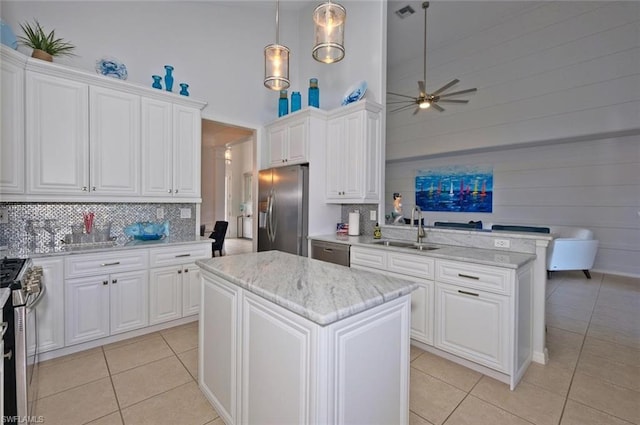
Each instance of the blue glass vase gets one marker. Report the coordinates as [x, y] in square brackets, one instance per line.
[296, 101]
[156, 82]
[283, 104]
[314, 93]
[183, 89]
[168, 78]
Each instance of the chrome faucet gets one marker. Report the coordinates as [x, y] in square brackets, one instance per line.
[420, 228]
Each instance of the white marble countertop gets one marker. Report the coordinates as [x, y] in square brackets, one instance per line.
[5, 293]
[319, 291]
[488, 257]
[94, 248]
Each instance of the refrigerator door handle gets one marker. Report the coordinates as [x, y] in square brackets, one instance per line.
[272, 226]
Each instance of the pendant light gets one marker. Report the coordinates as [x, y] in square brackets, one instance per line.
[329, 19]
[276, 62]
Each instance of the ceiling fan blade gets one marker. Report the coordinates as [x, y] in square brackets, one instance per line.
[446, 86]
[401, 101]
[437, 107]
[401, 95]
[416, 111]
[422, 88]
[453, 101]
[402, 108]
[455, 93]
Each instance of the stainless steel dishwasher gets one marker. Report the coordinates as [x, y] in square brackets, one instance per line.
[330, 252]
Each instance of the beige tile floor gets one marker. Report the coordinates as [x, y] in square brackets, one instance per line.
[593, 376]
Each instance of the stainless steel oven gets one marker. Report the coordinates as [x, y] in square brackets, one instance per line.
[20, 360]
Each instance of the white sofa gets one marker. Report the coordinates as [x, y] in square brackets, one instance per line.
[573, 248]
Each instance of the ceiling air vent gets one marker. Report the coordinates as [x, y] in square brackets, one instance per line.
[405, 11]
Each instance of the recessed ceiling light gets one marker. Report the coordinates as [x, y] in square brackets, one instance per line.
[405, 11]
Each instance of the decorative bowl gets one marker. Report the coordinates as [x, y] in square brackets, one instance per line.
[111, 67]
[147, 231]
[355, 93]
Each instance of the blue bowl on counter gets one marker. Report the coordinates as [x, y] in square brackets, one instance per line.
[147, 231]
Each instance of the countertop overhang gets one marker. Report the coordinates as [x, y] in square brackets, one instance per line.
[319, 291]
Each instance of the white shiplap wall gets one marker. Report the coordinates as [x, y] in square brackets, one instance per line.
[592, 183]
[554, 71]
[557, 114]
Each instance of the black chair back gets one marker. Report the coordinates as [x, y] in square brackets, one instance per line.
[512, 228]
[218, 234]
[453, 225]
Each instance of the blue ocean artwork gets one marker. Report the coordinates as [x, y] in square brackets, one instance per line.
[111, 67]
[455, 189]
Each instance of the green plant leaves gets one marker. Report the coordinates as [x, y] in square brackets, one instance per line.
[36, 38]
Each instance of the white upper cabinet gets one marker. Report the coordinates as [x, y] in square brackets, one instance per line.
[354, 154]
[288, 140]
[114, 147]
[93, 138]
[57, 134]
[12, 121]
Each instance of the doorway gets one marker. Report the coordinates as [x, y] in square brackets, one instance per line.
[228, 153]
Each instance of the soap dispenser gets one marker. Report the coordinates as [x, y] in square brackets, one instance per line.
[377, 233]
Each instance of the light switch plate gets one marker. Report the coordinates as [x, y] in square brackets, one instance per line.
[502, 243]
[185, 212]
[4, 215]
[372, 215]
[159, 213]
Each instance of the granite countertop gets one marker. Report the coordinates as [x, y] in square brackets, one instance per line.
[488, 257]
[106, 247]
[5, 293]
[319, 291]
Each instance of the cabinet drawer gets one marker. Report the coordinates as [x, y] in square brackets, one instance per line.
[412, 265]
[169, 256]
[494, 279]
[105, 262]
[375, 258]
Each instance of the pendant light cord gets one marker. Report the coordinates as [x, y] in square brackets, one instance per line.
[425, 5]
[277, 22]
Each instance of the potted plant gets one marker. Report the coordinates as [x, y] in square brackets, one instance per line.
[45, 46]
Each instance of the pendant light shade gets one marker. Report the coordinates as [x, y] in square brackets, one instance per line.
[329, 19]
[276, 62]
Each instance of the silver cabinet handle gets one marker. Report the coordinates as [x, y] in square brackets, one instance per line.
[169, 191]
[179, 271]
[84, 188]
[327, 250]
[175, 191]
[468, 293]
[105, 282]
[183, 255]
[468, 276]
[186, 270]
[114, 281]
[110, 264]
[93, 188]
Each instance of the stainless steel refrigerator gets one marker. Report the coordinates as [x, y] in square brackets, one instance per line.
[283, 203]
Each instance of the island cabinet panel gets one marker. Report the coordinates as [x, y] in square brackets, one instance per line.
[265, 326]
[218, 355]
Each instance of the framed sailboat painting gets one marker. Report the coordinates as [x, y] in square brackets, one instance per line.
[454, 188]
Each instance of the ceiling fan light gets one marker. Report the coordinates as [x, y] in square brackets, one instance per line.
[329, 20]
[424, 104]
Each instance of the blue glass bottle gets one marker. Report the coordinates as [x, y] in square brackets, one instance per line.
[283, 104]
[168, 78]
[296, 101]
[314, 93]
[156, 82]
[183, 89]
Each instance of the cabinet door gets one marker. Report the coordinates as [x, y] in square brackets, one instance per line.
[165, 294]
[265, 326]
[422, 314]
[129, 301]
[50, 309]
[187, 137]
[352, 159]
[114, 142]
[190, 289]
[157, 148]
[334, 159]
[11, 128]
[87, 309]
[218, 343]
[277, 139]
[298, 143]
[57, 135]
[473, 324]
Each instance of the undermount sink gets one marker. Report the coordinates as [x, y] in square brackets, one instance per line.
[402, 244]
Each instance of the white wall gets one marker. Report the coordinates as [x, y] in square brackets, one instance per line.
[591, 183]
[561, 69]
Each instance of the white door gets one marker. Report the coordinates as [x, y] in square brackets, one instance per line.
[86, 309]
[57, 135]
[114, 142]
[11, 128]
[157, 148]
[190, 289]
[165, 294]
[186, 153]
[129, 301]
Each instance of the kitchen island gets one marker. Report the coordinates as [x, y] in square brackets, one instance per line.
[289, 340]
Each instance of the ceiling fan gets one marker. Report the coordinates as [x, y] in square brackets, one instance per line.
[425, 100]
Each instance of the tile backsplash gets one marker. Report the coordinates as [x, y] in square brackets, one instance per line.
[15, 236]
[366, 225]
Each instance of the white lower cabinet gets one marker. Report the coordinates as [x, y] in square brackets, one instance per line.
[103, 305]
[262, 363]
[473, 324]
[50, 309]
